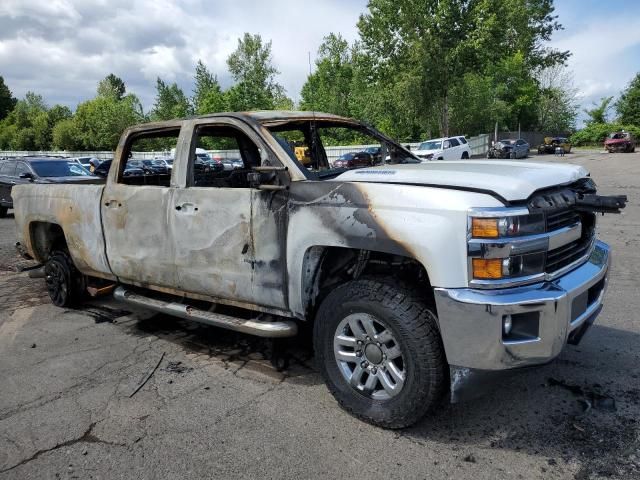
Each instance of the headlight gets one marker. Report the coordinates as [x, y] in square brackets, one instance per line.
[510, 267]
[514, 226]
[497, 250]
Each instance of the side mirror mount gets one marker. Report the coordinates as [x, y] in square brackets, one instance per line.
[263, 178]
[446, 145]
[28, 175]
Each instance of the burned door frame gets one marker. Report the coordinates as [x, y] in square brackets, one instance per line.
[134, 218]
[229, 243]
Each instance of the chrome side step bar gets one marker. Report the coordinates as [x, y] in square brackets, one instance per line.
[260, 328]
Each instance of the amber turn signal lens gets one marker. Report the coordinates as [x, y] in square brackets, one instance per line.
[487, 269]
[484, 227]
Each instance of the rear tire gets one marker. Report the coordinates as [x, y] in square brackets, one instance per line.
[3, 212]
[378, 348]
[65, 284]
[465, 156]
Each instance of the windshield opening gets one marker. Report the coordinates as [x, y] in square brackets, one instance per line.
[58, 168]
[431, 145]
[328, 148]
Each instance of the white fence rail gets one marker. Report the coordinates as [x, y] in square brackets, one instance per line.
[479, 146]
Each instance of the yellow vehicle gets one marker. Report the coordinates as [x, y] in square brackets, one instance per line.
[551, 143]
[301, 152]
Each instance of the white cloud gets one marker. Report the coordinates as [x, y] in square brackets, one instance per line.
[604, 57]
[62, 48]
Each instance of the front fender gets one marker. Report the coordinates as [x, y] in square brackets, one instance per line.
[423, 223]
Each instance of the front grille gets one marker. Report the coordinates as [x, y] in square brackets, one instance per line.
[560, 257]
[562, 218]
[567, 254]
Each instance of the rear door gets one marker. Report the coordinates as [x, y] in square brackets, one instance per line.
[453, 152]
[135, 213]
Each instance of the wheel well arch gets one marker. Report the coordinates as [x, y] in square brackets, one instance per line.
[46, 237]
[325, 267]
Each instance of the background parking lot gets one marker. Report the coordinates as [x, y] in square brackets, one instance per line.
[216, 408]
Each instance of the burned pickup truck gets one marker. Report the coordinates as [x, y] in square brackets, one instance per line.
[417, 278]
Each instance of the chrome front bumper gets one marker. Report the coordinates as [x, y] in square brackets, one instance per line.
[554, 313]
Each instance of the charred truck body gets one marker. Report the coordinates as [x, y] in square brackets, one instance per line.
[418, 278]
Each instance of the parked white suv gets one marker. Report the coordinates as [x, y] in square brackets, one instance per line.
[449, 148]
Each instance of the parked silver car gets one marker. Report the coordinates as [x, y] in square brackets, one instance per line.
[509, 148]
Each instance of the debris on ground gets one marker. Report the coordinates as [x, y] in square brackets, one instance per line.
[177, 367]
[149, 375]
[589, 398]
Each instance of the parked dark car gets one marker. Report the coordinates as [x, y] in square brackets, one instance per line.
[509, 148]
[376, 153]
[620, 142]
[150, 167]
[17, 171]
[353, 160]
[129, 170]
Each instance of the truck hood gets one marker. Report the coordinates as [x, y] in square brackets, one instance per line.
[510, 180]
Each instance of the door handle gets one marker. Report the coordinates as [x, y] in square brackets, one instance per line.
[186, 208]
[112, 204]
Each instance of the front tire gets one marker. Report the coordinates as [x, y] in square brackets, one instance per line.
[65, 284]
[3, 212]
[379, 350]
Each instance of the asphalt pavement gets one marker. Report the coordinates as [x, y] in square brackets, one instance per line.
[215, 407]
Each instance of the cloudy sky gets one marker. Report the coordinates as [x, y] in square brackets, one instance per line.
[62, 48]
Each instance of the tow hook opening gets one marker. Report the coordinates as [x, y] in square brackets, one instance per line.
[521, 327]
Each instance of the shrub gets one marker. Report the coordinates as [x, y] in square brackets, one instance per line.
[595, 133]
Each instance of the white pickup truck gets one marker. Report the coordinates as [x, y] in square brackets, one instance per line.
[418, 278]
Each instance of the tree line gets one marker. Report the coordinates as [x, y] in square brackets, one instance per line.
[418, 69]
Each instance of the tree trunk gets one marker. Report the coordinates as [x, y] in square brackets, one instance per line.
[445, 114]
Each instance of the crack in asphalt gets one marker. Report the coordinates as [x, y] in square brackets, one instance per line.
[87, 437]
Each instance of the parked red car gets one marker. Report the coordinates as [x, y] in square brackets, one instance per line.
[354, 159]
[620, 142]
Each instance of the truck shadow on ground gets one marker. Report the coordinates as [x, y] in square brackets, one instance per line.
[288, 359]
[580, 409]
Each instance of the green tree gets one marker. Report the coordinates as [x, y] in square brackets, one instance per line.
[208, 97]
[251, 66]
[7, 100]
[112, 86]
[432, 44]
[557, 106]
[26, 127]
[171, 102]
[66, 136]
[628, 105]
[58, 113]
[102, 120]
[600, 111]
[329, 88]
